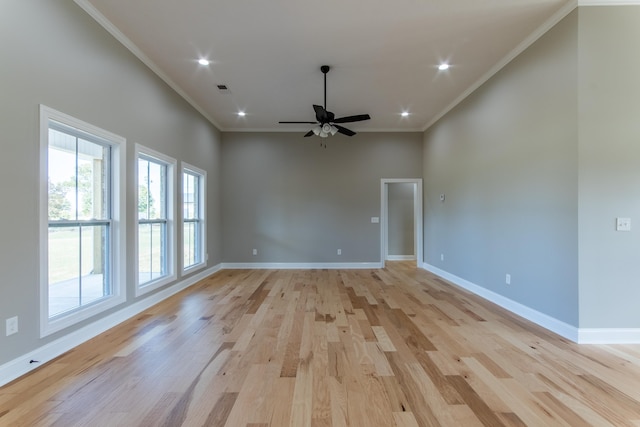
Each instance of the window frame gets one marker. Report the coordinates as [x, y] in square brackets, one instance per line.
[142, 152]
[116, 253]
[201, 174]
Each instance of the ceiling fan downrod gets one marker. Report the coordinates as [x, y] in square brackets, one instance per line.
[325, 69]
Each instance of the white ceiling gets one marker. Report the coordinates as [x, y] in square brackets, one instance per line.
[383, 53]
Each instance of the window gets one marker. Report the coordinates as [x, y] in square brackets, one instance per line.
[155, 236]
[193, 217]
[81, 223]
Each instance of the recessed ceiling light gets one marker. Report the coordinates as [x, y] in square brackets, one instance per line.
[405, 114]
[203, 61]
[242, 113]
[443, 67]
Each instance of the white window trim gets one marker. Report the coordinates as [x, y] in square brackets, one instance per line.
[171, 276]
[118, 252]
[186, 167]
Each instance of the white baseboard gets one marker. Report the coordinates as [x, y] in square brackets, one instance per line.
[608, 2]
[609, 336]
[21, 365]
[401, 257]
[561, 328]
[300, 265]
[578, 335]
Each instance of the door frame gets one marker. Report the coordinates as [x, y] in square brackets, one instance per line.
[417, 216]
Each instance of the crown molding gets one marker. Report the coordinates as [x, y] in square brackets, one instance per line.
[133, 48]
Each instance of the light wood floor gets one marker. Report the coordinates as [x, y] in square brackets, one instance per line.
[392, 347]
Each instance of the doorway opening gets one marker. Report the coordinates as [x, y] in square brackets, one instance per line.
[401, 220]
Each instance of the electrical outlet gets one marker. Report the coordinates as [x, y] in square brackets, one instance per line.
[255, 252]
[507, 279]
[12, 325]
[623, 224]
[339, 251]
[441, 257]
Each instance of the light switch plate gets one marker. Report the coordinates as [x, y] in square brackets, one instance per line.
[623, 224]
[375, 219]
[12, 325]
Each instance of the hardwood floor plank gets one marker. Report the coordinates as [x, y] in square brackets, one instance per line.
[395, 395]
[343, 348]
[280, 401]
[405, 419]
[302, 403]
[559, 408]
[418, 402]
[338, 396]
[486, 416]
[321, 402]
[220, 412]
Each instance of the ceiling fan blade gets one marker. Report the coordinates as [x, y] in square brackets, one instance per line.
[321, 113]
[351, 119]
[344, 130]
[310, 133]
[306, 123]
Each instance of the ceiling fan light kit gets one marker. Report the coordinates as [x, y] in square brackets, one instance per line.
[326, 124]
[325, 130]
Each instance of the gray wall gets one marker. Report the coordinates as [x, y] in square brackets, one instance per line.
[507, 161]
[609, 153]
[400, 219]
[297, 202]
[54, 54]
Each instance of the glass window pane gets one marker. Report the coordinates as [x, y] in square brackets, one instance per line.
[64, 269]
[94, 265]
[151, 249]
[190, 196]
[190, 241]
[151, 189]
[157, 200]
[77, 183]
[143, 189]
[144, 253]
[92, 183]
[157, 250]
[62, 178]
[77, 267]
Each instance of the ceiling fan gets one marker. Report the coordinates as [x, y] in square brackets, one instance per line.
[326, 124]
